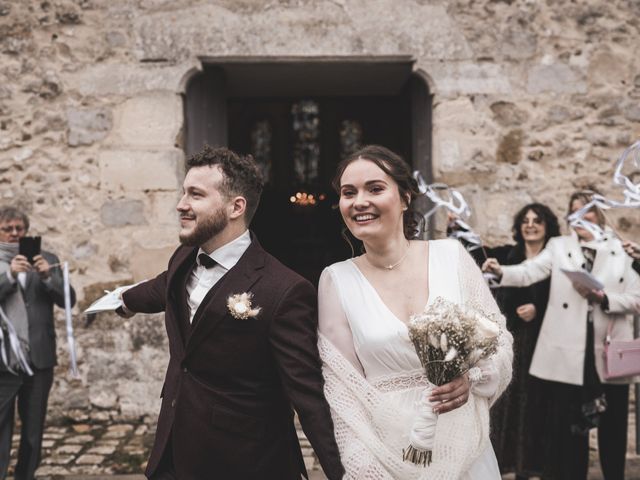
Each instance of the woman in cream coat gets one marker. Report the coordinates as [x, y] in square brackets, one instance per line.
[569, 350]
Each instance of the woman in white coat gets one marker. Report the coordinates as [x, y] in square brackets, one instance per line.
[569, 350]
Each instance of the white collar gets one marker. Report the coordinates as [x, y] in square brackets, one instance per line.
[228, 254]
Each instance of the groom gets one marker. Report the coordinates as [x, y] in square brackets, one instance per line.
[238, 363]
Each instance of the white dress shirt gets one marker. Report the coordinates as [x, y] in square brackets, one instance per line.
[202, 279]
[22, 278]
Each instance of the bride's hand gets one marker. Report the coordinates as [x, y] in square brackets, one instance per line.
[451, 395]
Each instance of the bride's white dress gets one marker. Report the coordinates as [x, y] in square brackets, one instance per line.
[373, 414]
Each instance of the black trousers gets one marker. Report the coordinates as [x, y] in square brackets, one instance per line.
[32, 395]
[165, 470]
[567, 453]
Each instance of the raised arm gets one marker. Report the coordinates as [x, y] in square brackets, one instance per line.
[54, 284]
[530, 271]
[147, 297]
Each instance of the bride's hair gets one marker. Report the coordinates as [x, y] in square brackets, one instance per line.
[393, 165]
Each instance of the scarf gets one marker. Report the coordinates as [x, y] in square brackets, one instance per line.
[14, 322]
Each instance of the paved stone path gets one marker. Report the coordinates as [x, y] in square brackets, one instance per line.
[119, 451]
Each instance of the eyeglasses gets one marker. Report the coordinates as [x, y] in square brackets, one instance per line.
[11, 228]
[535, 221]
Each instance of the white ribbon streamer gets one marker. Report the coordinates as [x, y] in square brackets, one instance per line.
[67, 311]
[14, 344]
[457, 204]
[631, 192]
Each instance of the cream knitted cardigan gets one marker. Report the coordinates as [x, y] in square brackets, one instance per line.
[363, 416]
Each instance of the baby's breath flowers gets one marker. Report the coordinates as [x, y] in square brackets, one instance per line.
[449, 339]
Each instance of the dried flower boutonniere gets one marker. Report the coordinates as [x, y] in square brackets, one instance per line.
[240, 306]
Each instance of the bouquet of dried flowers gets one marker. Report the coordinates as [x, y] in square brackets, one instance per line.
[449, 339]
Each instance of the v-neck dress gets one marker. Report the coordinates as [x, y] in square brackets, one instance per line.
[382, 343]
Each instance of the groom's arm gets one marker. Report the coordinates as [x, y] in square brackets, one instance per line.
[147, 297]
[294, 340]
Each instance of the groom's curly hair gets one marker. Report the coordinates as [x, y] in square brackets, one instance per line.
[241, 175]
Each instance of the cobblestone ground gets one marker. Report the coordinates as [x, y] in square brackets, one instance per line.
[99, 451]
[122, 448]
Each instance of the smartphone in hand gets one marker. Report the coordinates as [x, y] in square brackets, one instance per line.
[30, 247]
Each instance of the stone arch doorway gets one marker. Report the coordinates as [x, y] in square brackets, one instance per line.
[299, 117]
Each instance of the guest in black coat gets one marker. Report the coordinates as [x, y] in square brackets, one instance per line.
[517, 417]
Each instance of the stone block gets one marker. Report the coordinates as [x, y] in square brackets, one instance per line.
[102, 450]
[632, 112]
[104, 399]
[139, 170]
[89, 459]
[452, 79]
[69, 449]
[162, 208]
[148, 262]
[609, 67]
[151, 120]
[518, 43]
[127, 79]
[555, 78]
[384, 27]
[87, 125]
[507, 114]
[118, 213]
[137, 399]
[510, 147]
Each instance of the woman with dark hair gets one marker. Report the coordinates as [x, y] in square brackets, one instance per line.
[373, 377]
[568, 357]
[517, 416]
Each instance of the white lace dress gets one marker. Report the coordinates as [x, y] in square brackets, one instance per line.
[373, 410]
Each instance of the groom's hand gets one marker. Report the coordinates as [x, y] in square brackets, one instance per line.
[451, 395]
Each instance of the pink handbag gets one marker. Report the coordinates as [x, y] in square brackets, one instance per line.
[621, 357]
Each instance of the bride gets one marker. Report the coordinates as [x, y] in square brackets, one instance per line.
[373, 377]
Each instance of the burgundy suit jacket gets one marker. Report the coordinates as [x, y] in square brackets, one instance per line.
[230, 385]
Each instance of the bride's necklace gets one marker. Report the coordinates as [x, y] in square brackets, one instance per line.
[392, 266]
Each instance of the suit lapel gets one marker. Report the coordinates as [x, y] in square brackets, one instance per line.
[213, 308]
[177, 279]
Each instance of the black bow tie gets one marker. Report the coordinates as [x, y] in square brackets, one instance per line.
[206, 261]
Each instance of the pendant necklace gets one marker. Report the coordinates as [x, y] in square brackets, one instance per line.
[391, 267]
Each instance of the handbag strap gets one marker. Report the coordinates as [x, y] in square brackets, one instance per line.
[607, 339]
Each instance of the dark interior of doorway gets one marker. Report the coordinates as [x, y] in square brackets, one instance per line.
[381, 97]
[304, 236]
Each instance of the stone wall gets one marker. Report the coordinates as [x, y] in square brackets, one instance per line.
[532, 99]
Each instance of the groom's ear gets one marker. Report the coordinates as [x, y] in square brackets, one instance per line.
[237, 207]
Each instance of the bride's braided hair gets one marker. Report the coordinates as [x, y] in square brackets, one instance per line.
[393, 165]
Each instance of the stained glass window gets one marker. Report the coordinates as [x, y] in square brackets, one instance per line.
[261, 147]
[306, 149]
[350, 137]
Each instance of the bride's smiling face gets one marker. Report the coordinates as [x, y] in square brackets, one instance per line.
[370, 201]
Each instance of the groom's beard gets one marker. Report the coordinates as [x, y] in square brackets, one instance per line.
[205, 229]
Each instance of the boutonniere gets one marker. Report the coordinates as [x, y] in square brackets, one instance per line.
[240, 306]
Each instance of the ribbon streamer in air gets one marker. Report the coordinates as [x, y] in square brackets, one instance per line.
[73, 370]
[15, 347]
[631, 190]
[456, 205]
